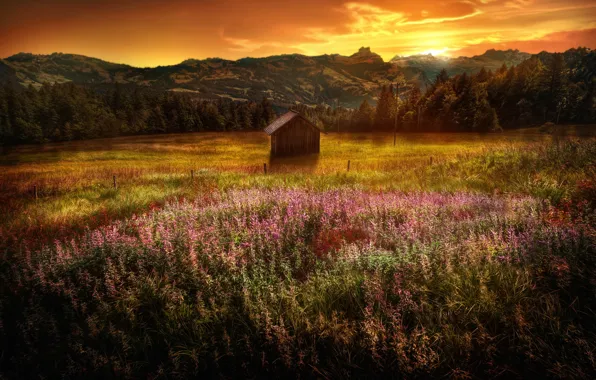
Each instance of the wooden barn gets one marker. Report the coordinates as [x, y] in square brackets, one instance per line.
[293, 134]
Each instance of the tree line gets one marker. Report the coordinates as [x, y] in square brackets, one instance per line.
[64, 112]
[548, 87]
[558, 88]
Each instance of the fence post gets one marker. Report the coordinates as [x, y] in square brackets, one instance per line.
[35, 191]
[114, 179]
[264, 168]
[348, 165]
[418, 119]
[431, 160]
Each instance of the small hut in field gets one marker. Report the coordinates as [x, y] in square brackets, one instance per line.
[293, 134]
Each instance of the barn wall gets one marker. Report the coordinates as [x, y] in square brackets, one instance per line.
[296, 137]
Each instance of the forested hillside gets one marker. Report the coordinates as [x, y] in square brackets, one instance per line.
[556, 87]
[285, 79]
[432, 65]
[547, 87]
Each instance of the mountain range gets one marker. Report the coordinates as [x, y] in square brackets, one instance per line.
[432, 65]
[286, 79]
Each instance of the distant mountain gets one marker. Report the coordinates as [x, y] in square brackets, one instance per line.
[286, 79]
[490, 60]
[60, 68]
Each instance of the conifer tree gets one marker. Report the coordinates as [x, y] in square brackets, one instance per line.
[363, 118]
[382, 118]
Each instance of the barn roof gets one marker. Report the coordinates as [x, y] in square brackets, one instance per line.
[283, 120]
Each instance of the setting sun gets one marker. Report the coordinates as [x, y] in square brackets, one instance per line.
[437, 52]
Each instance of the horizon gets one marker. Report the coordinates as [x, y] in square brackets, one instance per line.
[397, 55]
[151, 34]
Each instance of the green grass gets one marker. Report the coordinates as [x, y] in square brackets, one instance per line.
[74, 180]
[478, 265]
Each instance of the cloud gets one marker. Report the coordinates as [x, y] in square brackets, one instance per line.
[155, 32]
[552, 42]
[518, 3]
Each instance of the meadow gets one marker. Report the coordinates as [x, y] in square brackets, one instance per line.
[74, 181]
[459, 255]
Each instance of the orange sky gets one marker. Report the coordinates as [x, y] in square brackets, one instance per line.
[152, 32]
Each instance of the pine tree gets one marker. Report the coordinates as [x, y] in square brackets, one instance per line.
[268, 114]
[441, 78]
[233, 122]
[213, 120]
[502, 70]
[413, 96]
[244, 117]
[553, 83]
[382, 118]
[157, 121]
[363, 118]
[482, 76]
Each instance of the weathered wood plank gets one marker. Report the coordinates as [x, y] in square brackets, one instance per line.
[295, 137]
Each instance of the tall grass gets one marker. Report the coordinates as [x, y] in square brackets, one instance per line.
[74, 180]
[479, 265]
[326, 284]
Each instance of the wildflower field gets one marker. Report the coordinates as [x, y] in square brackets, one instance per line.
[479, 264]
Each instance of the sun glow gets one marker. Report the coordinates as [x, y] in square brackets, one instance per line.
[229, 28]
[437, 52]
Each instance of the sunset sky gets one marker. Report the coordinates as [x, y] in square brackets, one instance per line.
[151, 32]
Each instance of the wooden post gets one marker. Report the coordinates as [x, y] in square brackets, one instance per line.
[418, 123]
[35, 191]
[431, 160]
[337, 110]
[348, 165]
[114, 178]
[265, 168]
[396, 111]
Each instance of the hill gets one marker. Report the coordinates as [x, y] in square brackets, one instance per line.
[286, 79]
[490, 60]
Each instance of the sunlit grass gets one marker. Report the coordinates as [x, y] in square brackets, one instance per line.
[477, 264]
[74, 180]
[292, 281]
